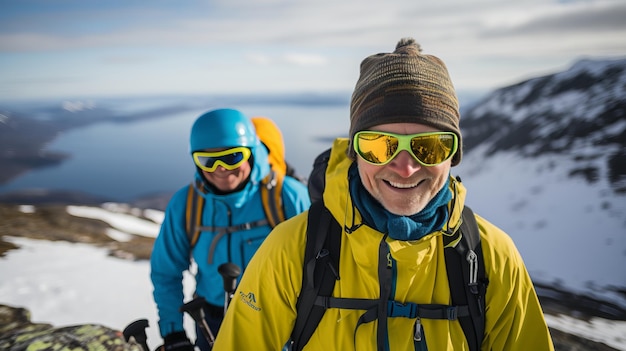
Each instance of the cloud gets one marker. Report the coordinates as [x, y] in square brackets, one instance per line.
[305, 59]
[579, 17]
[126, 59]
[295, 59]
[484, 42]
[306, 24]
[259, 59]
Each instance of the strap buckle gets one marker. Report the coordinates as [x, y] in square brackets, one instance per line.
[451, 312]
[397, 309]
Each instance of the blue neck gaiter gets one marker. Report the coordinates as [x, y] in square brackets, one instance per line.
[405, 228]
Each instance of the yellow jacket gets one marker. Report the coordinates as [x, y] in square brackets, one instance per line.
[263, 310]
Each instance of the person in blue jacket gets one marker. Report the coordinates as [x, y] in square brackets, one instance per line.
[231, 161]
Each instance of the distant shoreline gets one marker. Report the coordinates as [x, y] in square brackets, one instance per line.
[13, 167]
[25, 131]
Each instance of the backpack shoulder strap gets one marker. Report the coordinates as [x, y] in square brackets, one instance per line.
[193, 214]
[466, 277]
[271, 196]
[320, 271]
[317, 178]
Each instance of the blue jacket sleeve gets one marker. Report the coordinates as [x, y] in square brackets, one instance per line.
[170, 258]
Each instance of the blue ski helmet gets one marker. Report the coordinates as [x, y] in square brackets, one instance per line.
[222, 128]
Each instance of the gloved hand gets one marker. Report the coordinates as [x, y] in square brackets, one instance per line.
[177, 341]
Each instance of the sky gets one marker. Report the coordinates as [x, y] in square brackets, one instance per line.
[81, 49]
[81, 284]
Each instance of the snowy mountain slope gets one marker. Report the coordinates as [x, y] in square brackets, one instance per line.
[579, 114]
[546, 160]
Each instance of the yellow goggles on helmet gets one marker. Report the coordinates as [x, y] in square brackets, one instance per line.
[429, 149]
[230, 159]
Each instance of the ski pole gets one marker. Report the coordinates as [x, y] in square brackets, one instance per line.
[195, 310]
[137, 330]
[229, 272]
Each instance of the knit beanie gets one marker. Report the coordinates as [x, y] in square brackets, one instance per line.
[404, 86]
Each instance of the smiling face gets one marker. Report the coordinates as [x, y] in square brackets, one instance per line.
[227, 181]
[403, 186]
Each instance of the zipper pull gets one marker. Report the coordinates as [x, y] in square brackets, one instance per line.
[472, 258]
[417, 336]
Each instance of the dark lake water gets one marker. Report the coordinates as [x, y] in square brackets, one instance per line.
[123, 161]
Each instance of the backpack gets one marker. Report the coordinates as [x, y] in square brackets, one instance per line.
[271, 196]
[466, 277]
[272, 138]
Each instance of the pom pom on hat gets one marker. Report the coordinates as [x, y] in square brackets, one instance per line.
[405, 86]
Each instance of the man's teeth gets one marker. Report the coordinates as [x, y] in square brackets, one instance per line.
[402, 185]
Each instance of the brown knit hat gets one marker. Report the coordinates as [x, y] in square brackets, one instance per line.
[404, 86]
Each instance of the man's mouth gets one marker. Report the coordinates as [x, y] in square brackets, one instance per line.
[402, 185]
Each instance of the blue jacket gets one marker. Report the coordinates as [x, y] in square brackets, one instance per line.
[171, 252]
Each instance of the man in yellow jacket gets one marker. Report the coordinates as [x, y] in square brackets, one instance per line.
[390, 188]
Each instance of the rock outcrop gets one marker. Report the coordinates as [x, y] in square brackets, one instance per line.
[18, 333]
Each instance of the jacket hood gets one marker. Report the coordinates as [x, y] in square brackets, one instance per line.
[337, 196]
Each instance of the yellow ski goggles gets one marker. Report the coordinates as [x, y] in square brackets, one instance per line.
[429, 149]
[230, 159]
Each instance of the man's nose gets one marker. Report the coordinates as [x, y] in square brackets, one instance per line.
[404, 164]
